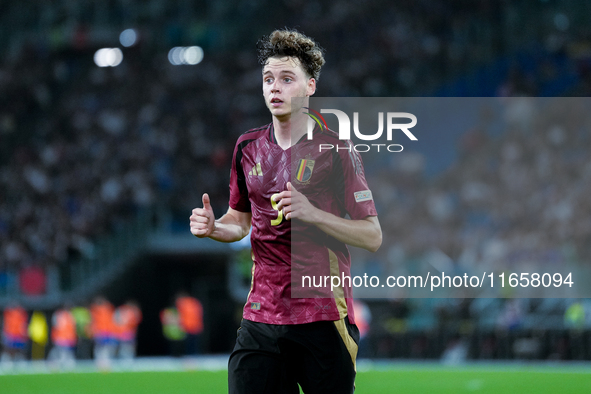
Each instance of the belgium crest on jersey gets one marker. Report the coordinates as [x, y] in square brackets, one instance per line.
[304, 170]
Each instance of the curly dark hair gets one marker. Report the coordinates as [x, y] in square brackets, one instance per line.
[292, 43]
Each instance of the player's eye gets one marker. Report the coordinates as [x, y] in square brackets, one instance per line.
[268, 80]
[287, 80]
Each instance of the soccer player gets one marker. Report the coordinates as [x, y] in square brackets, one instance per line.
[298, 218]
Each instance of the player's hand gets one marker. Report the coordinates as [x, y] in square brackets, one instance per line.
[295, 205]
[202, 220]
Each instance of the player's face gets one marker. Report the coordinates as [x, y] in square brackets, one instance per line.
[284, 78]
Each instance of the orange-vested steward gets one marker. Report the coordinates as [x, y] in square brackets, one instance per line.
[128, 317]
[102, 319]
[15, 323]
[63, 331]
[191, 314]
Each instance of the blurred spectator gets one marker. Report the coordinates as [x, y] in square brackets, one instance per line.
[191, 319]
[172, 330]
[14, 334]
[362, 315]
[456, 352]
[83, 332]
[127, 318]
[511, 317]
[574, 316]
[38, 332]
[64, 338]
[103, 332]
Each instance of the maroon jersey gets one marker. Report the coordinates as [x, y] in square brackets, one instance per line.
[283, 251]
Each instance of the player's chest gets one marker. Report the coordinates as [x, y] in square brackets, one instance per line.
[267, 171]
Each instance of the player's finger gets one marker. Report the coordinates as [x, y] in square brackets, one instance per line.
[199, 219]
[199, 232]
[206, 202]
[281, 195]
[201, 212]
[291, 188]
[288, 211]
[284, 202]
[199, 226]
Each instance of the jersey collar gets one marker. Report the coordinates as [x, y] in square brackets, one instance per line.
[273, 139]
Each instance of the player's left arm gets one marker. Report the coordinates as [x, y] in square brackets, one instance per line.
[365, 233]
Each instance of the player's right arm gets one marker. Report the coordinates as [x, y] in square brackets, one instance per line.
[231, 227]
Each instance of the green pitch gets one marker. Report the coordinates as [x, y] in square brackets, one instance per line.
[398, 379]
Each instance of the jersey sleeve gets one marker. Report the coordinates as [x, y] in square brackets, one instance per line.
[238, 191]
[355, 194]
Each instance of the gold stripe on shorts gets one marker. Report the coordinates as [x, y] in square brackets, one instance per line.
[348, 340]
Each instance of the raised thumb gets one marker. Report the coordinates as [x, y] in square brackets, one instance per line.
[206, 204]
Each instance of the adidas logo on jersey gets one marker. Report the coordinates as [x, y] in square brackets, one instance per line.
[256, 170]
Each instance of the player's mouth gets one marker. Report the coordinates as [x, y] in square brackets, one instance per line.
[275, 102]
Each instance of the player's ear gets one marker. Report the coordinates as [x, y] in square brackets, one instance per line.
[311, 89]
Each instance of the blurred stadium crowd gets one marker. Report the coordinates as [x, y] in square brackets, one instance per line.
[84, 149]
[515, 201]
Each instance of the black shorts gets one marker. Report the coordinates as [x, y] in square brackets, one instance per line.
[274, 359]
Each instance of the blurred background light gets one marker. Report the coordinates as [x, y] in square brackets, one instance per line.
[174, 56]
[193, 55]
[128, 37]
[185, 55]
[108, 57]
[561, 22]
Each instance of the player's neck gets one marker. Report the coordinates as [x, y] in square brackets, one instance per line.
[289, 130]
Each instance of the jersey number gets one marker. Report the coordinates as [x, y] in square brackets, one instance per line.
[279, 219]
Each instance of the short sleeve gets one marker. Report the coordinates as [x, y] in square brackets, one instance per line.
[356, 196]
[238, 191]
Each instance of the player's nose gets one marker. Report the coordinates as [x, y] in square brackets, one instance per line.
[275, 87]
